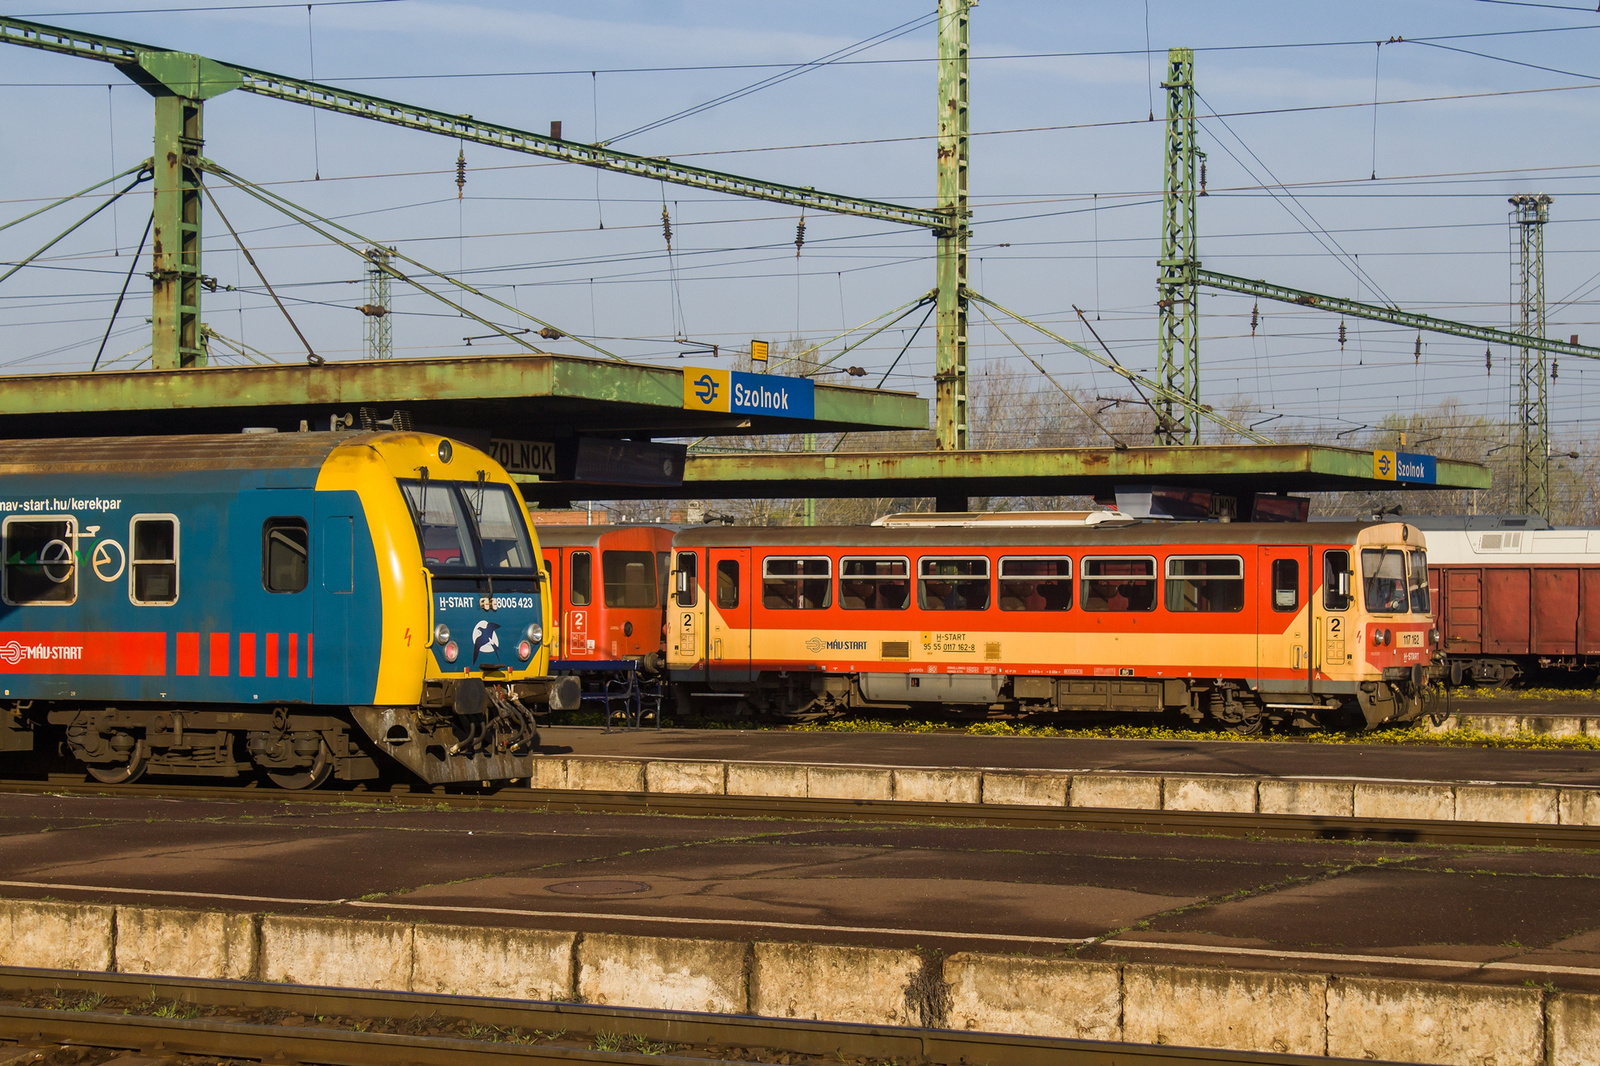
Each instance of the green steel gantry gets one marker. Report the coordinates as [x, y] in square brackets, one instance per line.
[181, 82]
[1181, 275]
[1178, 359]
[950, 369]
[1529, 213]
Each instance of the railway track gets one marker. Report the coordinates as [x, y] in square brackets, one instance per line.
[1266, 826]
[343, 1027]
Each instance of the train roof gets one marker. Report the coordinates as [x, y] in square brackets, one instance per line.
[1143, 534]
[142, 455]
[569, 536]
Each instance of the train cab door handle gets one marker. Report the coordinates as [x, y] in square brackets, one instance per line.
[1299, 654]
[716, 648]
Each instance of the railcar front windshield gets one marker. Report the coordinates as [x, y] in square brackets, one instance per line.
[1383, 579]
[469, 528]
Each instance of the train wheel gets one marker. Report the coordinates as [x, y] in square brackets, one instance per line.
[1248, 726]
[125, 773]
[314, 776]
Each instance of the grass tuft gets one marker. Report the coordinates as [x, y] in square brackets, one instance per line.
[1406, 735]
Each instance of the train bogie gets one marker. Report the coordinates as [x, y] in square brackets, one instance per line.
[310, 605]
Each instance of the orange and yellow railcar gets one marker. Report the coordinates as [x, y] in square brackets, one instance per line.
[1246, 624]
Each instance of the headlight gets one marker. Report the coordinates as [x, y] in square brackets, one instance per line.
[441, 634]
[1433, 637]
[451, 651]
[525, 650]
[534, 633]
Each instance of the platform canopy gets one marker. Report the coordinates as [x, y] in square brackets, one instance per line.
[513, 396]
[1236, 470]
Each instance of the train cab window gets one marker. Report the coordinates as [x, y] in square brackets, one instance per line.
[874, 584]
[501, 530]
[797, 584]
[285, 551]
[1205, 584]
[1383, 580]
[1119, 584]
[688, 579]
[446, 540]
[727, 583]
[629, 578]
[1336, 579]
[580, 592]
[1419, 581]
[1035, 584]
[153, 559]
[953, 584]
[663, 573]
[40, 565]
[1286, 584]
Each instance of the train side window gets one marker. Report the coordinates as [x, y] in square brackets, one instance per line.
[727, 583]
[285, 554]
[629, 578]
[804, 584]
[953, 584]
[1419, 582]
[1119, 583]
[1336, 579]
[153, 559]
[874, 584]
[1286, 584]
[1205, 584]
[1035, 584]
[688, 579]
[41, 567]
[663, 572]
[581, 593]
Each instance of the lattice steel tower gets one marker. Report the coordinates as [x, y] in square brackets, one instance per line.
[1177, 289]
[1529, 213]
[380, 336]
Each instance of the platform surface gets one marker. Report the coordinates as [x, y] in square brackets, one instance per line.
[1493, 915]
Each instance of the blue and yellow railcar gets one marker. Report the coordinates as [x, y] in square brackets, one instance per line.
[312, 605]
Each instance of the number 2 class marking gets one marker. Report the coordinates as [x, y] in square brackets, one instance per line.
[1335, 627]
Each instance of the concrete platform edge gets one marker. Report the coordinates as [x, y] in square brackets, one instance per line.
[1463, 801]
[1214, 1007]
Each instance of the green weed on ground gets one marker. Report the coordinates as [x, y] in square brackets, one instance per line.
[1418, 735]
[1537, 693]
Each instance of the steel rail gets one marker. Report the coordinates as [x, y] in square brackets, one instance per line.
[346, 1047]
[1094, 819]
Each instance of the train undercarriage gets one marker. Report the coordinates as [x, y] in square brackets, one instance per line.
[1229, 703]
[464, 732]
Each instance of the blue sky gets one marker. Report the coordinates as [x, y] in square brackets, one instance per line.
[1065, 179]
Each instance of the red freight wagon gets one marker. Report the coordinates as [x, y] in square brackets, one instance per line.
[1513, 594]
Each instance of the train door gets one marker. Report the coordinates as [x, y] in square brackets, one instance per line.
[578, 597]
[728, 585]
[686, 617]
[343, 672]
[272, 597]
[1284, 644]
[554, 587]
